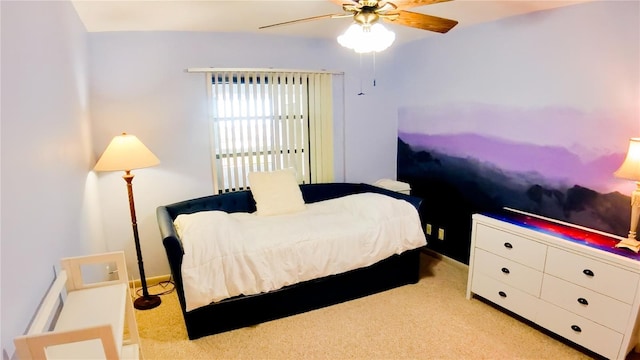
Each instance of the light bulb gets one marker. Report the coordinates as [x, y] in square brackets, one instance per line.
[365, 38]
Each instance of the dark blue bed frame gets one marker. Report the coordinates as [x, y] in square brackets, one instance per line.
[241, 311]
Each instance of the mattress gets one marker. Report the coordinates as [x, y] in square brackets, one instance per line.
[231, 254]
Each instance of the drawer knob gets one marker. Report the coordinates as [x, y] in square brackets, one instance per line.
[508, 245]
[505, 270]
[502, 294]
[583, 301]
[588, 272]
[576, 328]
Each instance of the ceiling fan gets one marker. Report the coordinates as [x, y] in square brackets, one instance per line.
[368, 12]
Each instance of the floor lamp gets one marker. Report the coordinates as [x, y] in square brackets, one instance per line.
[124, 153]
[630, 169]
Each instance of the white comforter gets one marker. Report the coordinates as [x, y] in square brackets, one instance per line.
[241, 253]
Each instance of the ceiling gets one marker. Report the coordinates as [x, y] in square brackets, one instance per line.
[247, 16]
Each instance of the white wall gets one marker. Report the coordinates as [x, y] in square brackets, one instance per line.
[372, 118]
[49, 207]
[582, 57]
[139, 85]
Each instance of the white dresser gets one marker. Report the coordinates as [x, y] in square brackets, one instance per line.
[567, 279]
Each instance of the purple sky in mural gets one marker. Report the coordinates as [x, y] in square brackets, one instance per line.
[553, 163]
[562, 145]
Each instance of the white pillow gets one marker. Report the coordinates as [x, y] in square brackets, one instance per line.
[276, 192]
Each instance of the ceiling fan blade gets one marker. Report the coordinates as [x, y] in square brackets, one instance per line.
[422, 21]
[389, 17]
[405, 4]
[328, 16]
[350, 8]
[387, 6]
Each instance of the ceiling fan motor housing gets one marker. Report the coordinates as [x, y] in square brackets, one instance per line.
[366, 16]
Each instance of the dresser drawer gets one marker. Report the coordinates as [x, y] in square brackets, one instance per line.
[513, 247]
[581, 331]
[602, 309]
[504, 295]
[509, 272]
[603, 278]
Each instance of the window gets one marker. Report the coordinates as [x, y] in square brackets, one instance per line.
[263, 121]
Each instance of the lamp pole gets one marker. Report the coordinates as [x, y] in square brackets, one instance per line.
[146, 301]
[631, 242]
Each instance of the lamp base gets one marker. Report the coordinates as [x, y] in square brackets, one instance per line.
[147, 302]
[628, 243]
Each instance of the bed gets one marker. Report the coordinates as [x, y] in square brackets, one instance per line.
[289, 296]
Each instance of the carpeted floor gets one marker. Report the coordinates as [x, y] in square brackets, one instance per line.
[429, 320]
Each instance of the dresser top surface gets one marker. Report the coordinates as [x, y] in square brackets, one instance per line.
[567, 232]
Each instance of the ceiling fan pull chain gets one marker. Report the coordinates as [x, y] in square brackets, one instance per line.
[361, 92]
[374, 68]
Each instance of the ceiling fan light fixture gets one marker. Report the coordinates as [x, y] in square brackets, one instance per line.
[367, 38]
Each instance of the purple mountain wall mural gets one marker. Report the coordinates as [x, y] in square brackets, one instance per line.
[557, 165]
[536, 118]
[476, 160]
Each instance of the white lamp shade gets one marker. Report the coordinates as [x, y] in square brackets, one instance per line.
[126, 152]
[630, 168]
[365, 39]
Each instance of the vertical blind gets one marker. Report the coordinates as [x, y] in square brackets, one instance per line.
[265, 121]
